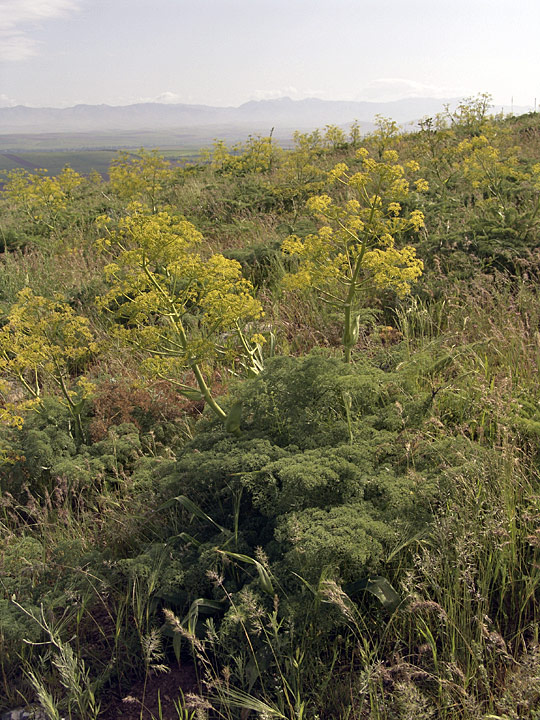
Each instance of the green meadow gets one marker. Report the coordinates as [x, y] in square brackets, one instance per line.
[269, 426]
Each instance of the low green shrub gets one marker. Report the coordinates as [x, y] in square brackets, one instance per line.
[319, 480]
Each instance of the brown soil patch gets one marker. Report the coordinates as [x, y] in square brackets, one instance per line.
[164, 688]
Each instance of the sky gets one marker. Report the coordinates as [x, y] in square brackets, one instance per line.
[59, 53]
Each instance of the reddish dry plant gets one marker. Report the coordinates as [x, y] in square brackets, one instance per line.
[123, 402]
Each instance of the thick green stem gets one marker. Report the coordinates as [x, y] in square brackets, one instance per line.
[34, 392]
[205, 392]
[74, 412]
[349, 331]
[350, 320]
[193, 364]
[179, 327]
[349, 334]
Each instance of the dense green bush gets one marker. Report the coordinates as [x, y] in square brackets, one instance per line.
[317, 479]
[46, 450]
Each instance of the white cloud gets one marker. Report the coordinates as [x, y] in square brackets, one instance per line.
[168, 98]
[16, 12]
[6, 101]
[17, 17]
[388, 89]
[288, 91]
[16, 46]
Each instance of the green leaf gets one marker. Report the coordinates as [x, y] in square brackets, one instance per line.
[177, 646]
[264, 576]
[189, 539]
[311, 588]
[234, 418]
[192, 394]
[380, 588]
[194, 509]
[240, 699]
[198, 606]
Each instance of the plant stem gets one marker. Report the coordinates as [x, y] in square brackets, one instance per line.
[348, 334]
[176, 320]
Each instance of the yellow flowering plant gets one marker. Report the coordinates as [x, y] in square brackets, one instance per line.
[43, 339]
[386, 136]
[41, 198]
[334, 137]
[504, 191]
[259, 154]
[141, 177]
[299, 173]
[356, 243]
[183, 309]
[11, 413]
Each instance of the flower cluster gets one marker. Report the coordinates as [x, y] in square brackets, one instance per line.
[361, 230]
[43, 340]
[355, 245]
[257, 155]
[40, 197]
[142, 177]
[169, 300]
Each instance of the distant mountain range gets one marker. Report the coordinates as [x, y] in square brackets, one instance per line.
[167, 125]
[283, 114]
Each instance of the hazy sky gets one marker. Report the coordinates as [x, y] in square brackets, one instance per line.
[226, 52]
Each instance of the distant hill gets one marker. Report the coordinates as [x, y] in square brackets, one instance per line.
[166, 125]
[284, 112]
